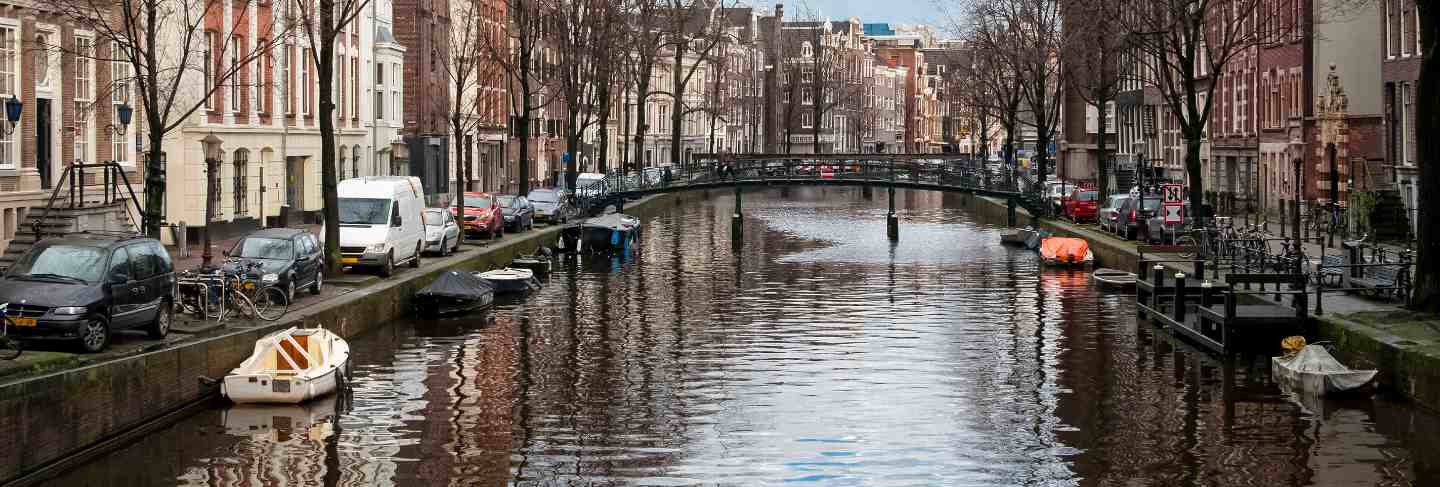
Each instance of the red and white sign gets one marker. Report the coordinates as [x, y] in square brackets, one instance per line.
[1171, 193]
[1174, 213]
[827, 172]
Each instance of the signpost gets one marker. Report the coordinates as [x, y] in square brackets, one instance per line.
[1173, 203]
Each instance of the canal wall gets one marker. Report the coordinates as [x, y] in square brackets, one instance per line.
[59, 419]
[1408, 365]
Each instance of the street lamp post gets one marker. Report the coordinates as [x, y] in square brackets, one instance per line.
[213, 152]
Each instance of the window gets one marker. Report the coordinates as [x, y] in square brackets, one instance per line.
[355, 162]
[289, 80]
[84, 75]
[208, 64]
[240, 185]
[807, 119]
[236, 81]
[379, 91]
[82, 134]
[260, 90]
[806, 97]
[9, 82]
[119, 262]
[142, 262]
[395, 107]
[354, 87]
[1405, 29]
[216, 182]
[304, 83]
[340, 161]
[1387, 27]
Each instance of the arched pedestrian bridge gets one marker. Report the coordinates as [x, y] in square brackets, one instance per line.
[934, 172]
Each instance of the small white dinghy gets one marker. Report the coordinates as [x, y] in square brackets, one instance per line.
[289, 366]
[1113, 277]
[510, 279]
[1314, 371]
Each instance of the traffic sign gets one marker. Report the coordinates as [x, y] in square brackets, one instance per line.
[1050, 148]
[1171, 193]
[1173, 214]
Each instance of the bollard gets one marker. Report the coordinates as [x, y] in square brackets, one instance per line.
[1207, 292]
[1010, 212]
[892, 227]
[1159, 272]
[1319, 305]
[1179, 311]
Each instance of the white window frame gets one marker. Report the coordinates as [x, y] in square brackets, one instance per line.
[303, 82]
[236, 80]
[84, 66]
[120, 148]
[8, 154]
[1405, 46]
[397, 83]
[83, 137]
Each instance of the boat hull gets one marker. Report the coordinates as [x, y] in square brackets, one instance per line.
[314, 361]
[437, 306]
[277, 389]
[1315, 372]
[513, 285]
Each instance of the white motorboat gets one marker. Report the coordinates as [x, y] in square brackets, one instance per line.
[289, 366]
[510, 279]
[1315, 372]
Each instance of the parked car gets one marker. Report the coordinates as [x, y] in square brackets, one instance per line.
[1159, 232]
[482, 215]
[552, 205]
[1135, 213]
[380, 222]
[1058, 191]
[83, 288]
[1110, 213]
[519, 214]
[290, 258]
[1082, 205]
[442, 234]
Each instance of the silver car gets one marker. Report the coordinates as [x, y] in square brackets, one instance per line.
[442, 234]
[1110, 213]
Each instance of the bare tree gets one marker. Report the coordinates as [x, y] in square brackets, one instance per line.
[1426, 295]
[1025, 36]
[465, 71]
[1180, 44]
[516, 54]
[322, 23]
[645, 43]
[690, 27]
[1092, 69]
[165, 44]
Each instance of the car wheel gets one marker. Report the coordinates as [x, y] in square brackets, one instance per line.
[290, 290]
[415, 262]
[94, 335]
[387, 268]
[161, 326]
[444, 247]
[319, 283]
[455, 247]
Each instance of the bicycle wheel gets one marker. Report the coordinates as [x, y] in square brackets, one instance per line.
[9, 348]
[270, 304]
[1186, 241]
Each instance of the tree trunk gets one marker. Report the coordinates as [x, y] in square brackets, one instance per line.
[458, 126]
[603, 161]
[1426, 294]
[677, 99]
[1103, 185]
[328, 178]
[155, 162]
[641, 94]
[1192, 169]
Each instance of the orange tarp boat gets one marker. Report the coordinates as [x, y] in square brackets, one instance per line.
[1065, 251]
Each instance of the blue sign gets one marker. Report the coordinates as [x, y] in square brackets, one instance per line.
[565, 157]
[1050, 148]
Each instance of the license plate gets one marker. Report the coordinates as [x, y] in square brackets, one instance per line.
[349, 260]
[26, 322]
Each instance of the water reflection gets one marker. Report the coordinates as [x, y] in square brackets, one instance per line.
[816, 352]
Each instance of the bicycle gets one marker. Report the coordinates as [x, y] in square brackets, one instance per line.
[9, 347]
[228, 291]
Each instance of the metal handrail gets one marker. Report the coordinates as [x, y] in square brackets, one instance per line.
[114, 175]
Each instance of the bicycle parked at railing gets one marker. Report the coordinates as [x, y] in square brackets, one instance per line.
[9, 347]
[219, 292]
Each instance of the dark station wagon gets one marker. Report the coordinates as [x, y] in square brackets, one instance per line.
[81, 288]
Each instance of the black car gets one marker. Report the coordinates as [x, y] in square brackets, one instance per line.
[518, 212]
[290, 258]
[81, 288]
[1134, 217]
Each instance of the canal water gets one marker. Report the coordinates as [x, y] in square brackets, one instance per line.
[816, 354]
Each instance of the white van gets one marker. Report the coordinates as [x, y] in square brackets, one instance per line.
[380, 222]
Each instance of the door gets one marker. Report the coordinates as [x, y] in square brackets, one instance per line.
[295, 182]
[310, 258]
[42, 142]
[149, 283]
[124, 298]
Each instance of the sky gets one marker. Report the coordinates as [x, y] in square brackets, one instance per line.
[899, 11]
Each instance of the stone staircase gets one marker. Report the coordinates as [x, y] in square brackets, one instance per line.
[1124, 176]
[58, 222]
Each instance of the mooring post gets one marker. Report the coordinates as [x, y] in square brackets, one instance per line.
[1179, 311]
[892, 222]
[736, 221]
[867, 191]
[1010, 212]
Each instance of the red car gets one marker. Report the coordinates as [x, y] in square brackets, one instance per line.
[1082, 204]
[482, 215]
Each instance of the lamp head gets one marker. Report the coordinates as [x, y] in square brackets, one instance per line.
[123, 113]
[13, 108]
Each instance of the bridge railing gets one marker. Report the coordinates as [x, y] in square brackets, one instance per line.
[965, 175]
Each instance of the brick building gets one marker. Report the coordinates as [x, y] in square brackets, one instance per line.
[65, 85]
[424, 28]
[1400, 74]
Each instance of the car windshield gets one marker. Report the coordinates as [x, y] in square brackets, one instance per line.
[433, 218]
[1116, 201]
[543, 196]
[506, 201]
[1088, 196]
[477, 202]
[264, 248]
[364, 211]
[75, 262]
